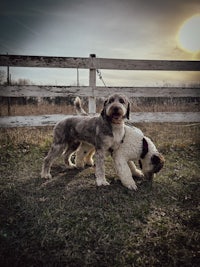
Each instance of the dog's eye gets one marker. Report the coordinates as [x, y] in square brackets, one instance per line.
[111, 100]
[121, 100]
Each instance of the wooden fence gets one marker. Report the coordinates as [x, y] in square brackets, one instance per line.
[92, 91]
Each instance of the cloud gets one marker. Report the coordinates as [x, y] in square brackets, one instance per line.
[129, 28]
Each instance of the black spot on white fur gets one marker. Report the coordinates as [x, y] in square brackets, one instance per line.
[140, 164]
[158, 162]
[145, 148]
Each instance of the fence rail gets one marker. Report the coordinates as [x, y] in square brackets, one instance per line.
[63, 91]
[92, 91]
[98, 63]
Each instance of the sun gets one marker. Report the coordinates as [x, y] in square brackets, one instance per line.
[189, 35]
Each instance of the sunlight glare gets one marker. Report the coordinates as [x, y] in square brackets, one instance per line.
[189, 35]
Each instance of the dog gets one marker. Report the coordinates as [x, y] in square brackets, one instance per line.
[105, 132]
[135, 147]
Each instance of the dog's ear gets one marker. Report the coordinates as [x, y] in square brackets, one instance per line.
[103, 112]
[145, 148]
[155, 160]
[128, 111]
[158, 162]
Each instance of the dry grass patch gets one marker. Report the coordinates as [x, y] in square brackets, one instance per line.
[137, 105]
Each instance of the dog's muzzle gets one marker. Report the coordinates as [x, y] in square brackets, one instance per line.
[158, 163]
[116, 114]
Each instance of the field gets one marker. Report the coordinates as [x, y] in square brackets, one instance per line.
[68, 221]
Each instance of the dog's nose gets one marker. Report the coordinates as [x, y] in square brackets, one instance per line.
[115, 109]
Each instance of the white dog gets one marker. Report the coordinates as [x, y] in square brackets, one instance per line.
[135, 147]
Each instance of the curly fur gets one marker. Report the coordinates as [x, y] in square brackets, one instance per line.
[135, 147]
[104, 132]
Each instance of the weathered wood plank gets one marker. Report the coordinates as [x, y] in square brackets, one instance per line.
[98, 63]
[148, 91]
[92, 84]
[46, 120]
[87, 91]
[44, 91]
[130, 64]
[46, 62]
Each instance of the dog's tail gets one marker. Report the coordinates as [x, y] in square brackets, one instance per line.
[78, 107]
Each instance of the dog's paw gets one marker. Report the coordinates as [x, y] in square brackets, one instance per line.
[138, 174]
[46, 175]
[101, 182]
[130, 185]
[70, 166]
[90, 164]
[80, 166]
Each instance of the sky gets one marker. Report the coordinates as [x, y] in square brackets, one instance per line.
[128, 29]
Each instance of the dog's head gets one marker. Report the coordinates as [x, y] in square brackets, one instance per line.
[116, 108]
[151, 161]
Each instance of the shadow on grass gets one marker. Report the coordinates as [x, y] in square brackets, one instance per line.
[67, 221]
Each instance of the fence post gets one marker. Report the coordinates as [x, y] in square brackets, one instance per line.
[8, 83]
[92, 83]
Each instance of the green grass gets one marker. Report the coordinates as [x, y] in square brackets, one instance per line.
[68, 221]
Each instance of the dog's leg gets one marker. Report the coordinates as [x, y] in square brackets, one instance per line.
[53, 153]
[72, 147]
[100, 168]
[124, 173]
[84, 155]
[89, 158]
[80, 157]
[135, 171]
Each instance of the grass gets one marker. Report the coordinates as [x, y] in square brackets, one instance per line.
[68, 221]
[137, 105]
